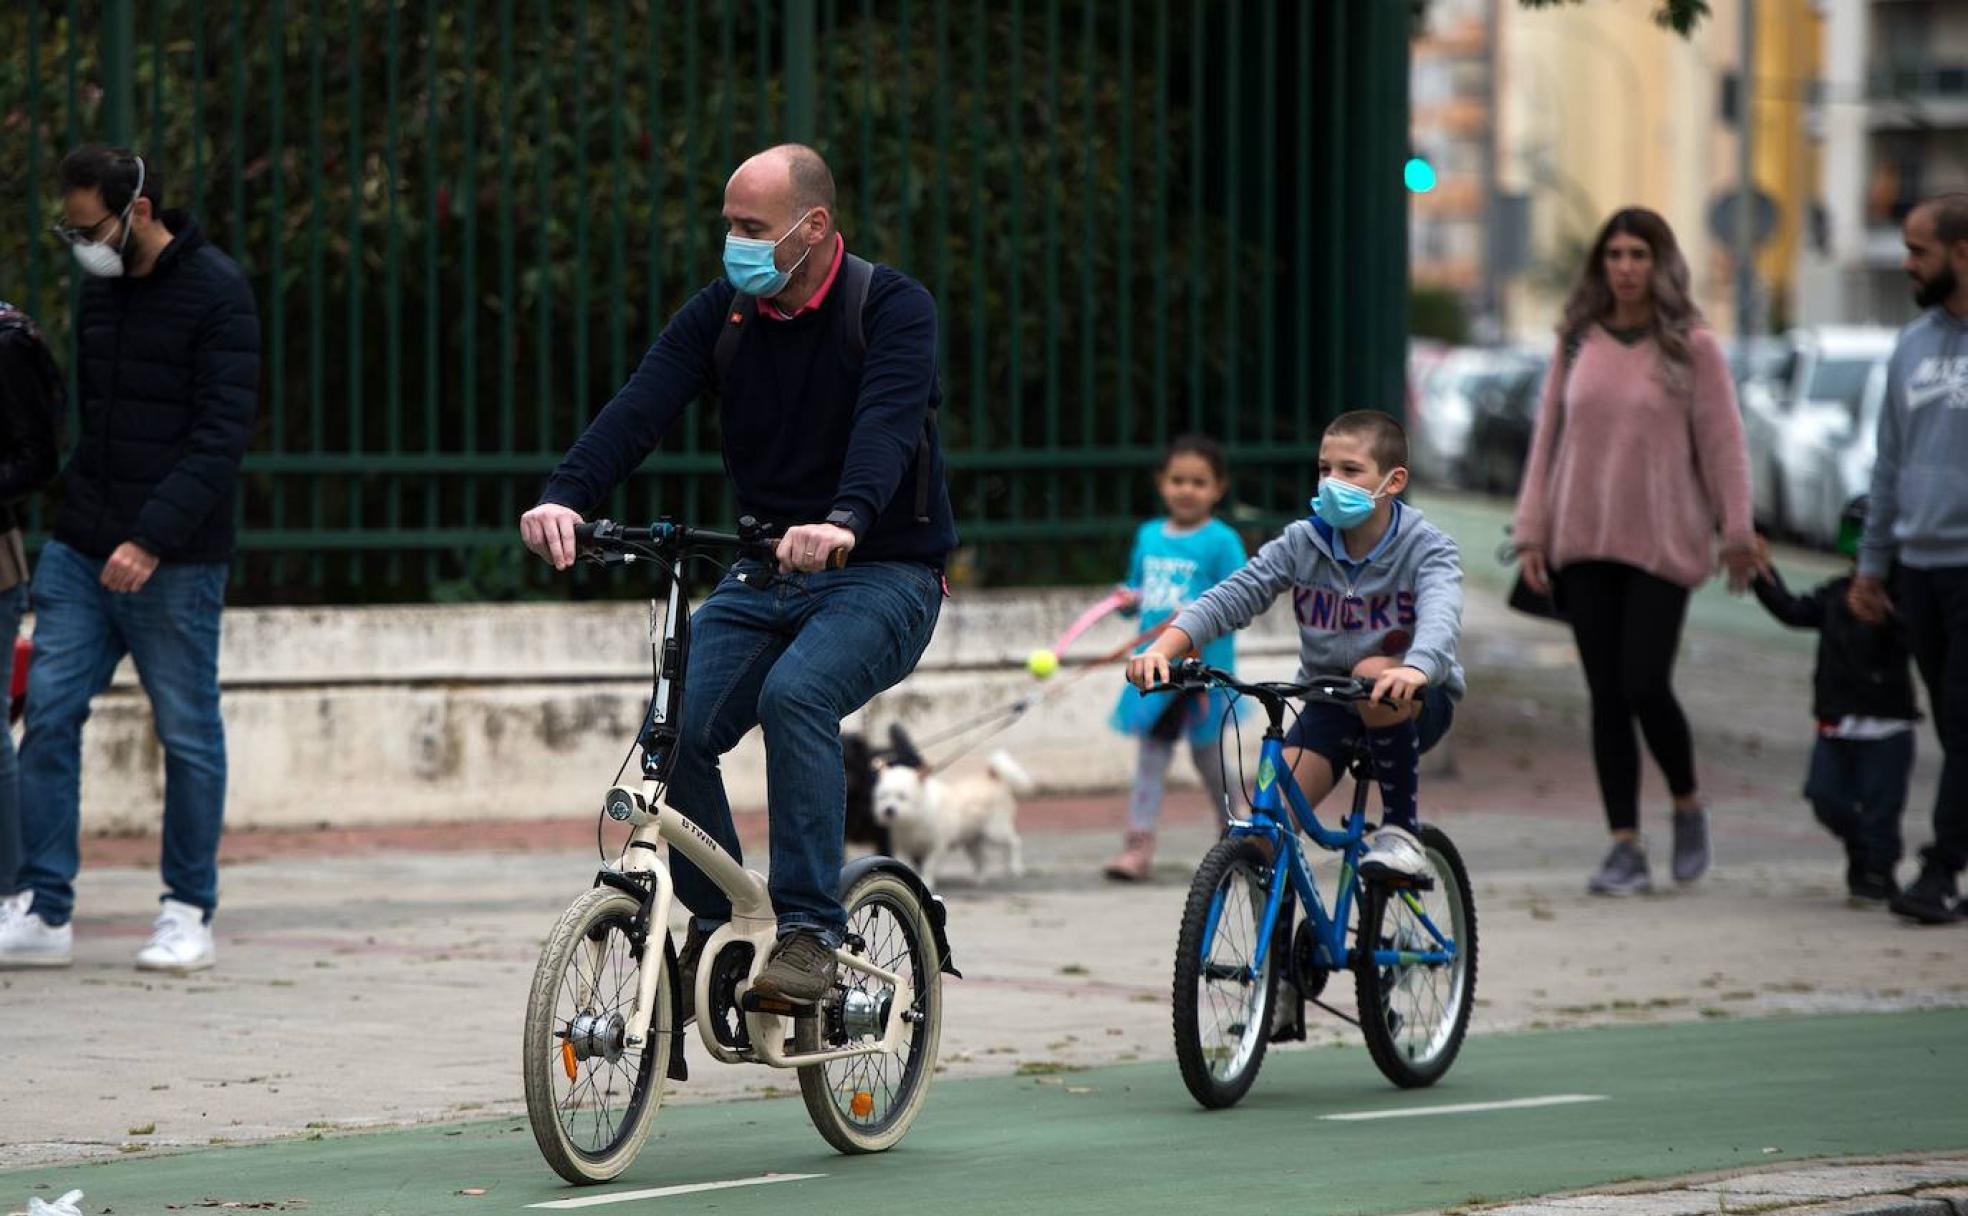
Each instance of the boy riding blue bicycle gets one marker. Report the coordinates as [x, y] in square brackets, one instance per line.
[1377, 593]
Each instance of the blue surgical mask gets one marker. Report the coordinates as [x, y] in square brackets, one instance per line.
[1343, 504]
[748, 263]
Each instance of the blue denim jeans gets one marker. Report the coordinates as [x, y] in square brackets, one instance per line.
[81, 631]
[13, 603]
[795, 659]
[1858, 788]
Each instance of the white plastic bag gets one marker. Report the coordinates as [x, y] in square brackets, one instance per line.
[65, 1206]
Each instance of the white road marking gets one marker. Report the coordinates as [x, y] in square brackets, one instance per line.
[1467, 1107]
[664, 1192]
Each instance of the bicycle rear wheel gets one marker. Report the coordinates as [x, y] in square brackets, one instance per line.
[1414, 1015]
[864, 1104]
[591, 1098]
[1222, 1000]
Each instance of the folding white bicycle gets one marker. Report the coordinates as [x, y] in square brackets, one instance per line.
[604, 1020]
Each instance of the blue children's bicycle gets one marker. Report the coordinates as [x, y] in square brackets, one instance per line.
[1413, 953]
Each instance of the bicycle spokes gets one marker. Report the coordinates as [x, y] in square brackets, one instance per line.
[600, 1073]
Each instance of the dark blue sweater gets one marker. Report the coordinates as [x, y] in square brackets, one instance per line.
[807, 429]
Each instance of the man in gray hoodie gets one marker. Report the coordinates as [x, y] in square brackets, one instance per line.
[1377, 592]
[1919, 513]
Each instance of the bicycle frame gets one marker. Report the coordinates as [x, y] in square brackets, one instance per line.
[1276, 790]
[752, 919]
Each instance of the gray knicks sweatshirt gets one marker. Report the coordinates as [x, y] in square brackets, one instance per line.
[1919, 503]
[1404, 599]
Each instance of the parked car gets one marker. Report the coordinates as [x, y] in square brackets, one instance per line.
[1468, 383]
[1505, 410]
[1825, 456]
[1789, 410]
[1438, 425]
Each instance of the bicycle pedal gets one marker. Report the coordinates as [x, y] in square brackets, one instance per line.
[752, 1002]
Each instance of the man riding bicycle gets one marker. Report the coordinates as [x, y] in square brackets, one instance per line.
[825, 370]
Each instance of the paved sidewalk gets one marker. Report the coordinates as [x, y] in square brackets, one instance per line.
[1873, 1186]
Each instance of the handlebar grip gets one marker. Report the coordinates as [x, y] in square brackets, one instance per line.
[584, 533]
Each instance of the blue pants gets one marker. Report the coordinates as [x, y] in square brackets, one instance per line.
[13, 602]
[794, 659]
[81, 631]
[1858, 788]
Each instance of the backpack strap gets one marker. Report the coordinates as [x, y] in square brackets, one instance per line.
[856, 274]
[743, 309]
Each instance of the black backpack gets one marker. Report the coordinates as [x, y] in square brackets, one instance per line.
[855, 275]
[41, 380]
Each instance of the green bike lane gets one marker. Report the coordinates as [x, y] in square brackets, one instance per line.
[1666, 1100]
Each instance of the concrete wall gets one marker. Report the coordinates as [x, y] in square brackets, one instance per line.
[451, 714]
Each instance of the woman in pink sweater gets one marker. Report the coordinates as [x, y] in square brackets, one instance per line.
[1637, 475]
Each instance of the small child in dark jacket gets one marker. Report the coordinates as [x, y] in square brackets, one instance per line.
[1862, 697]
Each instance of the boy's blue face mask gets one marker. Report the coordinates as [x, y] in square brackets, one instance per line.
[1345, 505]
[749, 265]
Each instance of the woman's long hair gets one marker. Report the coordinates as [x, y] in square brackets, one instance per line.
[1675, 314]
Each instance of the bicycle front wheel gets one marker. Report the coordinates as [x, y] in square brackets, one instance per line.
[590, 1097]
[1222, 997]
[1414, 1014]
[864, 1104]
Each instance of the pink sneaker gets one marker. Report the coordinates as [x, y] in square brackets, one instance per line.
[1136, 860]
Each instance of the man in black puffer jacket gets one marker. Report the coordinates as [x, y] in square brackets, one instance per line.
[169, 343]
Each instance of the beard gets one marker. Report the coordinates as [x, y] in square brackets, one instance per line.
[1929, 292]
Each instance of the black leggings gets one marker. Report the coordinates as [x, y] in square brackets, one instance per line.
[1628, 626]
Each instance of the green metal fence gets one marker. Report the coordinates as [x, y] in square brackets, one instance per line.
[465, 220]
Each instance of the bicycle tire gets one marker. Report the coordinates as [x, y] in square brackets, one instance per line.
[602, 916]
[1240, 859]
[884, 911]
[1409, 1050]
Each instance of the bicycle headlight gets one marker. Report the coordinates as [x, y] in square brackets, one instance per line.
[625, 806]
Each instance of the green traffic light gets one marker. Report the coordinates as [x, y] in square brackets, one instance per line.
[1419, 175]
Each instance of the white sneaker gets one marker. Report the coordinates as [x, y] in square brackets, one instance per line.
[1393, 854]
[28, 941]
[180, 941]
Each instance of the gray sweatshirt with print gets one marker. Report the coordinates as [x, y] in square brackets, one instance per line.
[1919, 502]
[1407, 601]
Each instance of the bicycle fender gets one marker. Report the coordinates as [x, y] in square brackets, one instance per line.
[861, 867]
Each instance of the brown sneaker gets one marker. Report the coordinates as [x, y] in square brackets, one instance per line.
[801, 970]
[1135, 860]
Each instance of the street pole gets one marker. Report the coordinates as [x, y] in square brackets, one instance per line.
[1492, 293]
[1745, 241]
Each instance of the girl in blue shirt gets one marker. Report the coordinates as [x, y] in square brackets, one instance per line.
[1176, 559]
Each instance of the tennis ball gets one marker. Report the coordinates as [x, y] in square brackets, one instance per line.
[1042, 663]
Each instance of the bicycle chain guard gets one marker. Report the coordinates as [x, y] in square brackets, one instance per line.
[731, 968]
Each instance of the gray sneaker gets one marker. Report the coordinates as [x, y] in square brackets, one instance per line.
[1624, 872]
[801, 970]
[1690, 844]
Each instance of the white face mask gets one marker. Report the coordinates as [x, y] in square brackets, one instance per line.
[98, 257]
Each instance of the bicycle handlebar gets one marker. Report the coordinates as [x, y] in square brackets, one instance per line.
[752, 539]
[1333, 690]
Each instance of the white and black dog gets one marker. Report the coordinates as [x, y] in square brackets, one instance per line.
[928, 817]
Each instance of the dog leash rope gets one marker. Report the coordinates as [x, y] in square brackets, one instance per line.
[1008, 715]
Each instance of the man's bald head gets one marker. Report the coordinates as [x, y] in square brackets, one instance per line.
[794, 174]
[1948, 214]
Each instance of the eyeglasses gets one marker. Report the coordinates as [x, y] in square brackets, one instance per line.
[69, 234]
